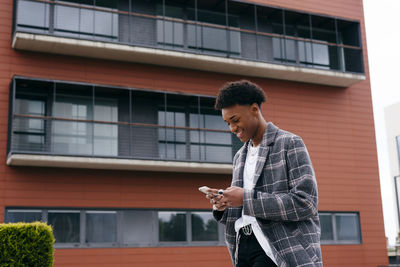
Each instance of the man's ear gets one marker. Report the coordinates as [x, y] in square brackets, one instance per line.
[254, 108]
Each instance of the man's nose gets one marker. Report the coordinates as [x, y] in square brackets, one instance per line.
[232, 128]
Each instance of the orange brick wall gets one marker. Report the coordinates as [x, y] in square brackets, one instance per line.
[336, 124]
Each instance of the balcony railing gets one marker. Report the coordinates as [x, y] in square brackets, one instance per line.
[225, 29]
[57, 118]
[71, 137]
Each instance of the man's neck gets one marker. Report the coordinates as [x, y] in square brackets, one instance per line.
[259, 133]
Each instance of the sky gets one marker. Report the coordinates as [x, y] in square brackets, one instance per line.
[382, 20]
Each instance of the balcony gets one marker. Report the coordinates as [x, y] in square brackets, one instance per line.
[64, 124]
[217, 36]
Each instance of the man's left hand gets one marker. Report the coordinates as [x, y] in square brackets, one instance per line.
[233, 196]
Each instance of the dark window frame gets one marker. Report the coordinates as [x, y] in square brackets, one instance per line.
[155, 242]
[336, 240]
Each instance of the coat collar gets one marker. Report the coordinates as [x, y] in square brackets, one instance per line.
[267, 140]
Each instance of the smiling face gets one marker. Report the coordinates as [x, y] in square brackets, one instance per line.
[243, 120]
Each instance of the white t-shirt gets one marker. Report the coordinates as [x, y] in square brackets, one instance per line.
[248, 176]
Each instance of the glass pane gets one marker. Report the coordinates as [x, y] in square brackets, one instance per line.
[86, 21]
[326, 226]
[347, 227]
[278, 51]
[218, 138]
[103, 23]
[305, 53]
[353, 60]
[106, 135]
[66, 18]
[137, 227]
[28, 134]
[172, 226]
[72, 137]
[34, 14]
[101, 226]
[290, 50]
[321, 54]
[218, 153]
[204, 227]
[14, 216]
[349, 32]
[66, 226]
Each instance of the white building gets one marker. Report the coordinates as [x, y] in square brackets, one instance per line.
[392, 118]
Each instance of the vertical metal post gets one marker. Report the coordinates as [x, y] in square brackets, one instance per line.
[79, 21]
[189, 226]
[256, 28]
[11, 115]
[93, 103]
[163, 7]
[165, 124]
[51, 17]
[130, 25]
[94, 19]
[337, 46]
[130, 124]
[284, 34]
[174, 121]
[397, 198]
[53, 105]
[398, 216]
[228, 36]
[196, 26]
[198, 125]
[398, 149]
[311, 40]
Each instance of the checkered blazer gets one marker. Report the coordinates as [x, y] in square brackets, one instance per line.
[284, 200]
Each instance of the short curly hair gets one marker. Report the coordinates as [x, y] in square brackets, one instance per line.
[241, 92]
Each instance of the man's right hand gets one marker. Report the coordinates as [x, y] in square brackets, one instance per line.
[216, 200]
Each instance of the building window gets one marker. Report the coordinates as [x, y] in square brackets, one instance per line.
[204, 227]
[172, 226]
[22, 215]
[220, 28]
[101, 226]
[340, 228]
[65, 225]
[153, 228]
[62, 118]
[125, 228]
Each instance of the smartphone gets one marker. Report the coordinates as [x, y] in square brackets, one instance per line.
[204, 189]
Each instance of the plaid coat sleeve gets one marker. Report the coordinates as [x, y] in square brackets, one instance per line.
[299, 198]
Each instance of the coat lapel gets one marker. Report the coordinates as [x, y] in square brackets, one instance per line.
[266, 142]
[241, 161]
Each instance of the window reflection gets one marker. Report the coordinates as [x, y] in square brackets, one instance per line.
[204, 227]
[101, 226]
[172, 226]
[14, 216]
[65, 225]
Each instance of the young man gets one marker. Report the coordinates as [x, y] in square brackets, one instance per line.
[270, 211]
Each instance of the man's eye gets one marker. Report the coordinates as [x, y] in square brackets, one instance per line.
[236, 121]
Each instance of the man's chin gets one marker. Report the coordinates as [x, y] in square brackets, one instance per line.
[244, 139]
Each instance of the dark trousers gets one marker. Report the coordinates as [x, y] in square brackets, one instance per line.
[251, 254]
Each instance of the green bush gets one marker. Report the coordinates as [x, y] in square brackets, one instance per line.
[26, 244]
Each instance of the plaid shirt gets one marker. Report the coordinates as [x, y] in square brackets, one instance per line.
[284, 199]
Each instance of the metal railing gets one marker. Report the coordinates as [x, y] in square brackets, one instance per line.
[126, 26]
[32, 134]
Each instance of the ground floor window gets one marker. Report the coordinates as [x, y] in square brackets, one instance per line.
[125, 228]
[153, 228]
[340, 228]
